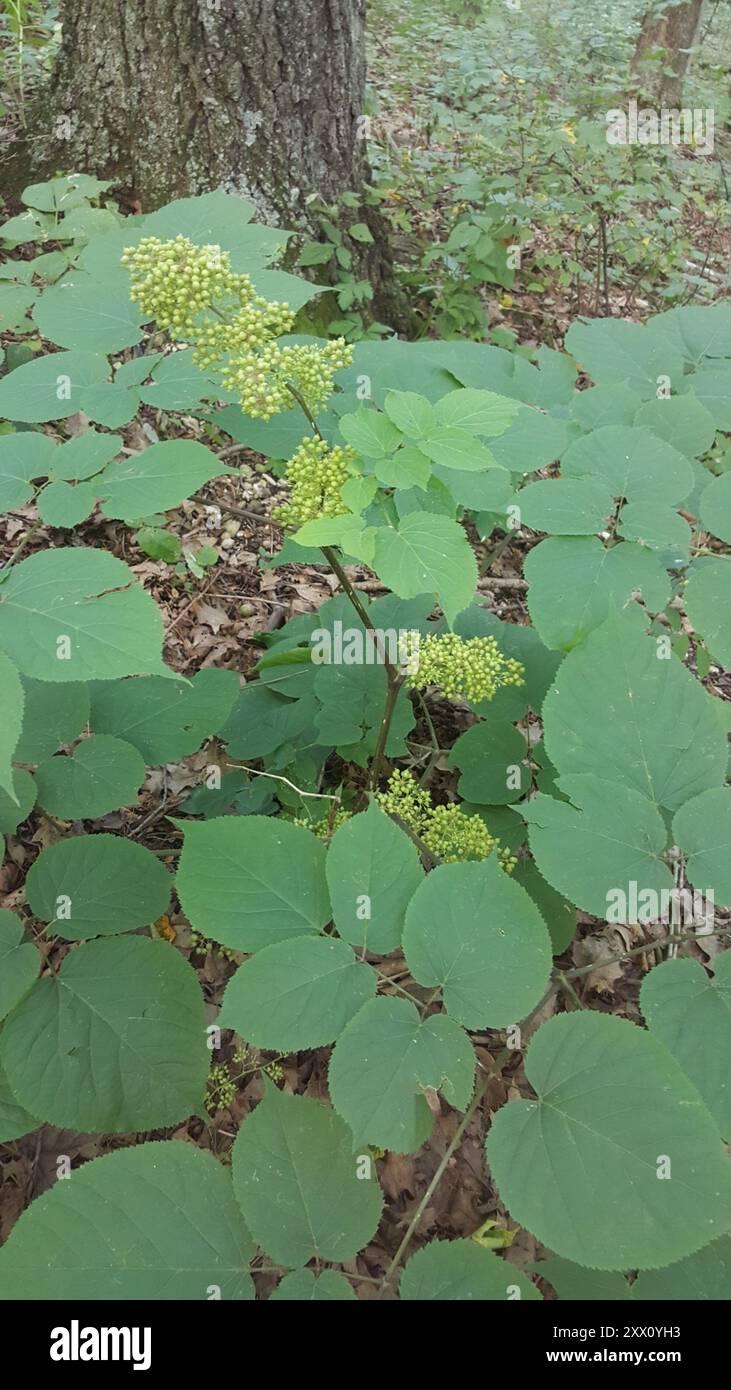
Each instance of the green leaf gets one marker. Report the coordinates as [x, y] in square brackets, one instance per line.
[690, 1012]
[101, 775]
[73, 614]
[575, 1282]
[14, 1119]
[615, 350]
[261, 721]
[699, 1277]
[80, 315]
[715, 507]
[372, 870]
[360, 232]
[60, 504]
[23, 457]
[632, 463]
[296, 994]
[575, 581]
[481, 492]
[702, 829]
[428, 554]
[12, 700]
[152, 1222]
[85, 455]
[565, 506]
[664, 738]
[713, 390]
[708, 604]
[54, 714]
[384, 1062]
[681, 421]
[177, 384]
[408, 467]
[656, 526]
[371, 433]
[164, 719]
[302, 1286]
[558, 914]
[410, 413]
[114, 1042]
[459, 1271]
[156, 479]
[19, 962]
[490, 759]
[605, 405]
[532, 441]
[109, 405]
[595, 846]
[450, 447]
[50, 387]
[478, 412]
[250, 881]
[159, 544]
[15, 300]
[564, 1170]
[283, 1151]
[15, 808]
[97, 885]
[472, 930]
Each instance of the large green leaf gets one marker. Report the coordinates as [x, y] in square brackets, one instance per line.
[23, 457]
[606, 838]
[715, 508]
[12, 700]
[450, 447]
[383, 1064]
[410, 413]
[114, 1042]
[60, 504]
[582, 1165]
[558, 914]
[54, 714]
[85, 455]
[51, 387]
[250, 881]
[177, 384]
[296, 994]
[575, 580]
[690, 1012]
[460, 1271]
[158, 478]
[101, 775]
[372, 870]
[18, 806]
[427, 554]
[680, 420]
[156, 1221]
[706, 1275]
[565, 506]
[615, 350]
[296, 1179]
[19, 962]
[164, 719]
[78, 314]
[619, 704]
[370, 432]
[97, 885]
[15, 1120]
[702, 829]
[657, 526]
[477, 934]
[261, 720]
[631, 462]
[479, 412]
[708, 604]
[304, 1286]
[490, 759]
[74, 615]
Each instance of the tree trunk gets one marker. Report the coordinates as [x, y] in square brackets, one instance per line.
[674, 30]
[176, 97]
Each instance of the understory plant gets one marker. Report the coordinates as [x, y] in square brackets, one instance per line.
[404, 806]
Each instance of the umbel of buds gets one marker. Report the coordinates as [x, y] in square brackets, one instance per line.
[316, 474]
[464, 668]
[192, 293]
[445, 830]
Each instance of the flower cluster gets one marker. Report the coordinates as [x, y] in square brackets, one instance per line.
[445, 830]
[316, 474]
[464, 668]
[194, 294]
[326, 827]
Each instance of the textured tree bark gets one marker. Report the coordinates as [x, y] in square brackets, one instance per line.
[674, 29]
[176, 97]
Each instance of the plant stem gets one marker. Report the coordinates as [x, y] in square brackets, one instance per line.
[565, 975]
[394, 685]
